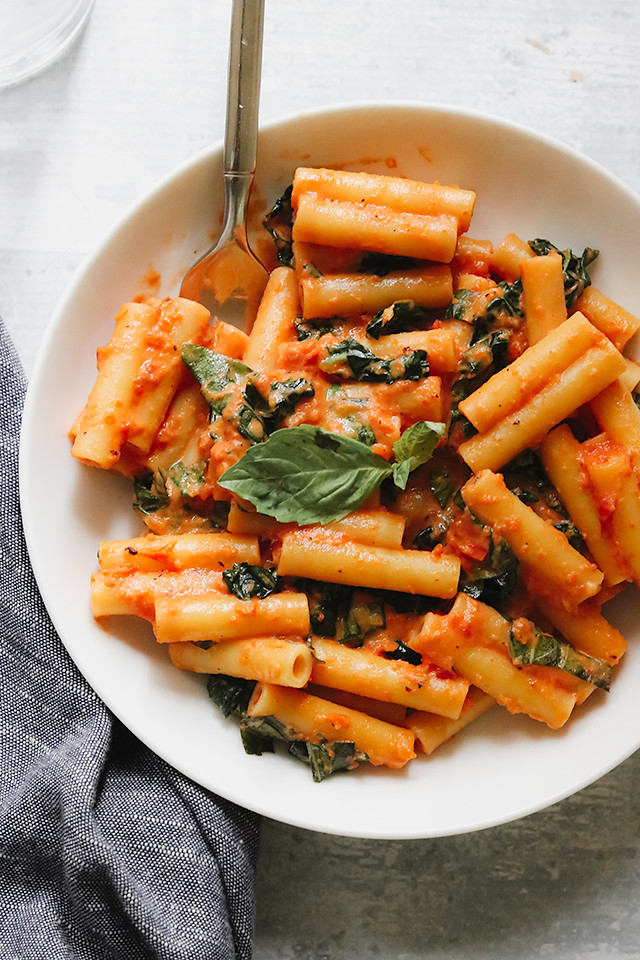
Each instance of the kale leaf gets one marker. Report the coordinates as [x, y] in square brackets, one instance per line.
[230, 694]
[279, 223]
[351, 360]
[542, 649]
[247, 580]
[401, 315]
[574, 267]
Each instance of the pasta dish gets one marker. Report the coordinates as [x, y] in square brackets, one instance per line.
[401, 499]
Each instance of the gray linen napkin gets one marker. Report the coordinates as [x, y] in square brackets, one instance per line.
[105, 850]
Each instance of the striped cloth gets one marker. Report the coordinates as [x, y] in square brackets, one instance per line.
[105, 851]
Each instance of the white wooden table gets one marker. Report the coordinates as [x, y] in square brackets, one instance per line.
[143, 90]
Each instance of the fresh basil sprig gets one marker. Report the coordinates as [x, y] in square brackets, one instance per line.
[309, 475]
[306, 475]
[415, 447]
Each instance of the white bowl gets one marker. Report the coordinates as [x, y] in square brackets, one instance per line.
[501, 767]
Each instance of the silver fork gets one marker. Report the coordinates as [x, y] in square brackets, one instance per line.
[229, 279]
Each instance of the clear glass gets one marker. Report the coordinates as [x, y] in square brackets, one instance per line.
[35, 33]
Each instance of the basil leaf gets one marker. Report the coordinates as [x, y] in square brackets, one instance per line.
[415, 447]
[306, 475]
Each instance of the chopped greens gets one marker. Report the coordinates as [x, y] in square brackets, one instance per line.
[571, 532]
[328, 602]
[183, 491]
[401, 315]
[574, 267]
[280, 402]
[459, 307]
[148, 496]
[311, 329]
[230, 694]
[279, 223]
[544, 650]
[187, 480]
[360, 620]
[493, 580]
[230, 388]
[222, 381]
[381, 264]
[312, 270]
[404, 652]
[351, 360]
[246, 581]
[324, 757]
[442, 487]
[213, 371]
[425, 539]
[342, 612]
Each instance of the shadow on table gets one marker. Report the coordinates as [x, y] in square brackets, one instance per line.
[560, 883]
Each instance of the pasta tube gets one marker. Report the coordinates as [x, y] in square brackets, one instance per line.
[618, 416]
[274, 323]
[178, 551]
[432, 731]
[526, 427]
[267, 659]
[335, 558]
[367, 227]
[339, 295]
[218, 617]
[101, 429]
[138, 373]
[561, 456]
[312, 718]
[114, 592]
[364, 672]
[428, 199]
[613, 320]
[586, 629]
[380, 528]
[543, 294]
[472, 639]
[557, 569]
[445, 345]
[507, 257]
[513, 387]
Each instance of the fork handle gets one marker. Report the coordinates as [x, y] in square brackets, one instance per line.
[245, 66]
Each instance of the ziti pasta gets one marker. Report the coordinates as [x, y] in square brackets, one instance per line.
[402, 498]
